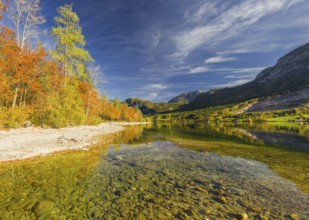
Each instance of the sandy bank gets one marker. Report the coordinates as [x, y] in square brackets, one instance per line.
[25, 143]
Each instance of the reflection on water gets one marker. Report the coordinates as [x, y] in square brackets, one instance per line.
[242, 132]
[285, 149]
[149, 177]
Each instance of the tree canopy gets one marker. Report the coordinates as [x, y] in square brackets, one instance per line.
[56, 90]
[70, 51]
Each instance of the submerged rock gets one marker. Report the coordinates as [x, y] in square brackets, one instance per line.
[43, 207]
[222, 199]
[221, 192]
[262, 217]
[294, 217]
[158, 200]
[242, 216]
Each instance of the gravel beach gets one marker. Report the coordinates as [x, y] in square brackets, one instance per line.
[23, 143]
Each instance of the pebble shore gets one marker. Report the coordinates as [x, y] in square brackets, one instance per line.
[24, 143]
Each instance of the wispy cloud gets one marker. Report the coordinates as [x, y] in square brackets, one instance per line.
[158, 49]
[220, 59]
[152, 91]
[208, 9]
[292, 2]
[242, 75]
[199, 69]
[239, 76]
[232, 83]
[156, 38]
[253, 70]
[158, 86]
[227, 25]
[151, 96]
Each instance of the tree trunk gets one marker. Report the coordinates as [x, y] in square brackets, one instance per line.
[65, 75]
[88, 103]
[21, 99]
[65, 66]
[25, 96]
[15, 97]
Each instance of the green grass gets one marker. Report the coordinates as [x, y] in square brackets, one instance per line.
[235, 112]
[287, 118]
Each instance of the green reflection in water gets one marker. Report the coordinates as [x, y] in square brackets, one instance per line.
[283, 147]
[161, 181]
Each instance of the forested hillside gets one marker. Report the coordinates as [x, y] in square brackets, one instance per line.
[50, 88]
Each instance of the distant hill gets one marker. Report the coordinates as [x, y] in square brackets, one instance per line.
[291, 73]
[150, 108]
[146, 107]
[186, 98]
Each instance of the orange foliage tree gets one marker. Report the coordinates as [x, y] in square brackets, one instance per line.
[30, 89]
[20, 69]
[8, 53]
[91, 100]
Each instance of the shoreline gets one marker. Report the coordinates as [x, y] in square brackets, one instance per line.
[26, 143]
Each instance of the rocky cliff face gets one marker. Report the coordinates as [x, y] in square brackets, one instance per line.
[186, 98]
[291, 73]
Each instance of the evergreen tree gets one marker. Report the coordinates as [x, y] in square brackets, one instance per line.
[70, 50]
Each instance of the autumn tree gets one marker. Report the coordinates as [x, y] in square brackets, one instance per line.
[26, 17]
[9, 63]
[29, 83]
[28, 75]
[70, 50]
[20, 70]
[92, 73]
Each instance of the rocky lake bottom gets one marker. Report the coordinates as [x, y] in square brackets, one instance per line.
[150, 180]
[162, 181]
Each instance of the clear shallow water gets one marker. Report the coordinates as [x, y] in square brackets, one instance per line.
[150, 177]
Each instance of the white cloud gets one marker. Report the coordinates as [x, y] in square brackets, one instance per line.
[199, 69]
[156, 86]
[229, 24]
[232, 83]
[293, 2]
[156, 38]
[234, 51]
[241, 70]
[220, 59]
[151, 96]
[206, 9]
[243, 76]
[152, 91]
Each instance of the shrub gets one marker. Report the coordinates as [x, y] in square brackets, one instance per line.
[14, 117]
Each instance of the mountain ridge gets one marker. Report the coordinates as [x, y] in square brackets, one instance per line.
[187, 97]
[290, 73]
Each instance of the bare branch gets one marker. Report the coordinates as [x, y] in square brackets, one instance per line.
[26, 17]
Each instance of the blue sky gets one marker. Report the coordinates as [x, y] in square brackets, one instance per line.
[158, 49]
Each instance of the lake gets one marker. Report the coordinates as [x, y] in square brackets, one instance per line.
[168, 171]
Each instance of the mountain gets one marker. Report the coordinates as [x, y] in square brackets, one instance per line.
[186, 98]
[291, 73]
